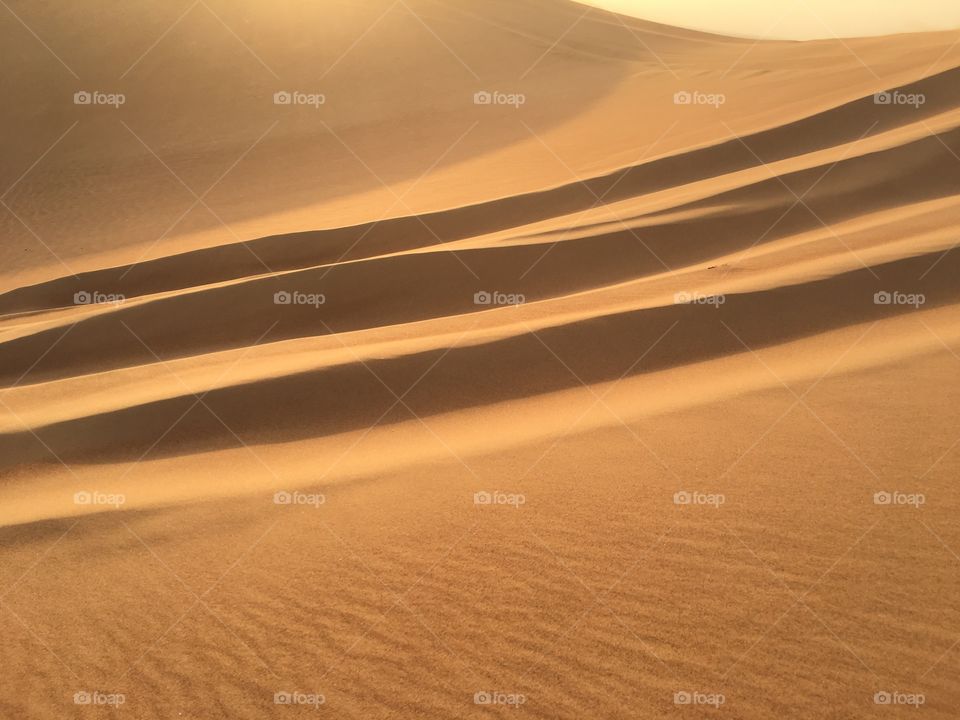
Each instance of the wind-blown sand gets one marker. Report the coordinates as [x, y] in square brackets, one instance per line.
[684, 427]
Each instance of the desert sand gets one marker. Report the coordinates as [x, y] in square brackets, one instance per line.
[531, 359]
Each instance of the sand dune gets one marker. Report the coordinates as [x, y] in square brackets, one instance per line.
[685, 344]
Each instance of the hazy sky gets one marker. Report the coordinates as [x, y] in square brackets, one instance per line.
[799, 19]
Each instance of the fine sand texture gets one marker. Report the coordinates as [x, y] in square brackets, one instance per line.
[458, 359]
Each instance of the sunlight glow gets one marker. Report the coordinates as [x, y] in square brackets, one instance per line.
[794, 19]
